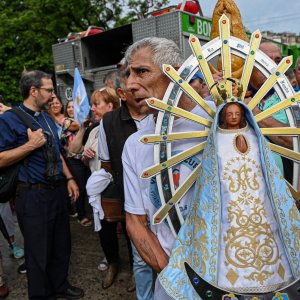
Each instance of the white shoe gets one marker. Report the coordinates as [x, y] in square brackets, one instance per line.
[103, 265]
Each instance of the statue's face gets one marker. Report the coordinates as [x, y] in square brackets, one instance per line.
[233, 116]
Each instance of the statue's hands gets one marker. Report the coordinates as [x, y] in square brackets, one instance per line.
[241, 143]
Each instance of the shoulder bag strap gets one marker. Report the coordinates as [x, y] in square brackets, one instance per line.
[23, 116]
[28, 122]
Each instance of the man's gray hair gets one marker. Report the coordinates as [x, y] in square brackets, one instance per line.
[164, 51]
[111, 79]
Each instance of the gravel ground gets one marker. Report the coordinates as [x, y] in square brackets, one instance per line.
[86, 255]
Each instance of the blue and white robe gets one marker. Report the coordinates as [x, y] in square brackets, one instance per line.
[242, 232]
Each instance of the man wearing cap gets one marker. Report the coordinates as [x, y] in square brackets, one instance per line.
[198, 84]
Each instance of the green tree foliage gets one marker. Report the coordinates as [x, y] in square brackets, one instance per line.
[29, 28]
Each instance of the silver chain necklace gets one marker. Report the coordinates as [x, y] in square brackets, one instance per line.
[37, 120]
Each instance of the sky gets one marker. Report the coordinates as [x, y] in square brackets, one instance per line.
[273, 15]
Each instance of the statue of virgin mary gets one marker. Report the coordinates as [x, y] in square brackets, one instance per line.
[242, 233]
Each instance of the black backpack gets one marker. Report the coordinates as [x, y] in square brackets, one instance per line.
[9, 175]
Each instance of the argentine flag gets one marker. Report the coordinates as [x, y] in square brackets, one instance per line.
[80, 98]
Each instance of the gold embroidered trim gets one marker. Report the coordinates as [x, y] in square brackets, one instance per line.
[259, 276]
[261, 289]
[249, 241]
[281, 217]
[232, 276]
[281, 271]
[170, 290]
[244, 178]
[216, 217]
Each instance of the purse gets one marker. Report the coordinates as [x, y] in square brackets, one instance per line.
[112, 204]
[8, 182]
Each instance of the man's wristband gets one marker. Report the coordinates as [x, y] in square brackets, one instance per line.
[70, 178]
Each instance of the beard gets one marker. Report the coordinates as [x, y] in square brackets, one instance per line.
[42, 105]
[46, 106]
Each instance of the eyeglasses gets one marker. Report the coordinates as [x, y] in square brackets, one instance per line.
[51, 91]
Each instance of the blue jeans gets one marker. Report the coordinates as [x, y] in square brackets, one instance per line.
[143, 277]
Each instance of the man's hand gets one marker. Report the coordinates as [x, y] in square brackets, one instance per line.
[4, 108]
[218, 76]
[72, 186]
[87, 155]
[36, 139]
[73, 189]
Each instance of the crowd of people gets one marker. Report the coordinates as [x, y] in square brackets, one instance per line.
[64, 165]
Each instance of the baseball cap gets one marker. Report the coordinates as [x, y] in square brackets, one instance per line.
[197, 75]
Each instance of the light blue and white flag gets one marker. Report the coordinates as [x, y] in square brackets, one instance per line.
[80, 98]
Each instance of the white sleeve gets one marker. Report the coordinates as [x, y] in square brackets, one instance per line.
[102, 145]
[132, 191]
[98, 182]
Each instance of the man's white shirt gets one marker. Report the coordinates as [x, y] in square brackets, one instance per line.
[141, 195]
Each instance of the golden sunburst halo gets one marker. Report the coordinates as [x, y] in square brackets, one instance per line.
[224, 45]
